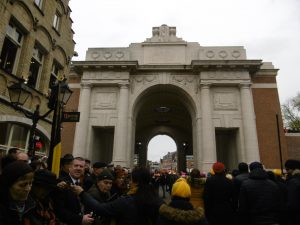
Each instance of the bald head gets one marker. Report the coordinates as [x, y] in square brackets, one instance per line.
[22, 157]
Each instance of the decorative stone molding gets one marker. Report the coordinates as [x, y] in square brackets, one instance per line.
[221, 53]
[224, 75]
[108, 54]
[245, 85]
[86, 85]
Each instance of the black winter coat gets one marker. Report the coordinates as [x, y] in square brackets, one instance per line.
[180, 212]
[293, 199]
[67, 205]
[260, 200]
[10, 216]
[218, 200]
[124, 210]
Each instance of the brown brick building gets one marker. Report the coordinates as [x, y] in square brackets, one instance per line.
[36, 44]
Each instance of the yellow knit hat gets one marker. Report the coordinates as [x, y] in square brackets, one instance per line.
[277, 172]
[181, 189]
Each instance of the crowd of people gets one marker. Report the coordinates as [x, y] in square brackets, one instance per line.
[105, 194]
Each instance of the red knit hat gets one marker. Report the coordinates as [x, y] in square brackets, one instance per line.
[218, 167]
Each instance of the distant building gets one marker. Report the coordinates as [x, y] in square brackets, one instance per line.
[189, 163]
[169, 161]
[36, 44]
[154, 166]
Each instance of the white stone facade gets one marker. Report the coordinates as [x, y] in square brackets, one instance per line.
[208, 91]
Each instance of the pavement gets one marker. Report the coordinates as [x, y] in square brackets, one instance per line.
[167, 197]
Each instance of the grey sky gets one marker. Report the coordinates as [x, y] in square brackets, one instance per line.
[268, 29]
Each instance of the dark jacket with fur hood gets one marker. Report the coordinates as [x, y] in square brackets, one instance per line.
[180, 212]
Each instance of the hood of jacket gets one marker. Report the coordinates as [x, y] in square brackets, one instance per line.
[258, 174]
[296, 172]
[180, 215]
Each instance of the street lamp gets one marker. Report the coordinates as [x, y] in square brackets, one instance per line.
[19, 93]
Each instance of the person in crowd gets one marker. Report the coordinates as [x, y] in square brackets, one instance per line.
[101, 192]
[218, 197]
[66, 204]
[87, 167]
[139, 206]
[16, 206]
[7, 159]
[13, 152]
[293, 188]
[22, 156]
[180, 211]
[65, 164]
[111, 167]
[89, 181]
[155, 181]
[38, 165]
[119, 186]
[197, 188]
[171, 178]
[260, 201]
[162, 182]
[43, 184]
[243, 175]
[235, 173]
[276, 178]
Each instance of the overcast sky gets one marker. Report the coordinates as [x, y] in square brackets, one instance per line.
[268, 29]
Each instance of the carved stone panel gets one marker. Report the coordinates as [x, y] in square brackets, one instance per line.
[226, 100]
[105, 100]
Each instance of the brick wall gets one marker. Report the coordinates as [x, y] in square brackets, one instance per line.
[266, 106]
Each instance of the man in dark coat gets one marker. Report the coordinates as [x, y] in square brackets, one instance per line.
[89, 181]
[218, 197]
[260, 200]
[239, 179]
[66, 204]
[293, 189]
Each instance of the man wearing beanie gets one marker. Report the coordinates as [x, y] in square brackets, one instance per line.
[218, 197]
[293, 187]
[101, 190]
[89, 181]
[16, 205]
[180, 210]
[260, 199]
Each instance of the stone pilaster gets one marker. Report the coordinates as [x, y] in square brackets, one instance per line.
[81, 132]
[121, 131]
[208, 133]
[249, 124]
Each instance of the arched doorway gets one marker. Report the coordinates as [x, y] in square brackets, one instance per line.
[163, 110]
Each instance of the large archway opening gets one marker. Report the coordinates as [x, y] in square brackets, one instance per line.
[164, 110]
[163, 149]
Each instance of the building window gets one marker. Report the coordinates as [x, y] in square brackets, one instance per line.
[17, 135]
[56, 21]
[39, 3]
[11, 48]
[54, 73]
[35, 67]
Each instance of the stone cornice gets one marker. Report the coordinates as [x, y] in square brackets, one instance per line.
[80, 66]
[253, 66]
[250, 65]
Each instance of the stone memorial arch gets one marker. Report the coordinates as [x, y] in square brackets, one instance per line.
[211, 98]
